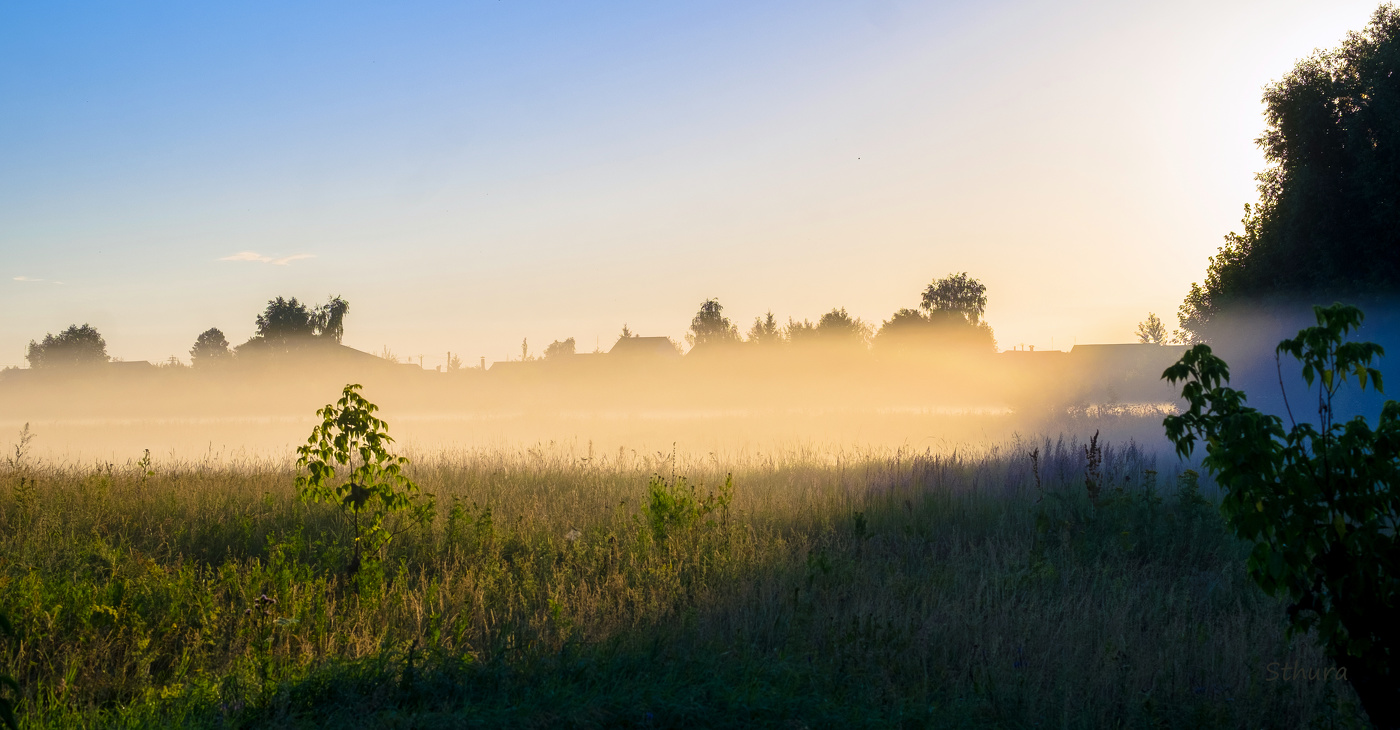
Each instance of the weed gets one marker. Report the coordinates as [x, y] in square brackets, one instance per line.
[1093, 468]
[1035, 471]
[676, 504]
[21, 449]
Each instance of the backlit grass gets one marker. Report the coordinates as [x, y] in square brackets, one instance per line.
[861, 589]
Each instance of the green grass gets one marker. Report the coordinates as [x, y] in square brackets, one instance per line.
[856, 590]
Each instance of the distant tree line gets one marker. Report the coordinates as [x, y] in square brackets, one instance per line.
[283, 326]
[949, 316]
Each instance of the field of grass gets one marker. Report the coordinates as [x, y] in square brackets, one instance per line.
[863, 589]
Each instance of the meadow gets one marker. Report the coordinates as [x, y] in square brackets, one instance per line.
[553, 588]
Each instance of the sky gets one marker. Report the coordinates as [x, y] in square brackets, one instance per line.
[471, 174]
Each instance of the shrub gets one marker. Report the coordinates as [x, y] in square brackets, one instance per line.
[375, 488]
[1319, 503]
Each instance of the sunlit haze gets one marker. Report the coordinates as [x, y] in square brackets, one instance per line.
[471, 174]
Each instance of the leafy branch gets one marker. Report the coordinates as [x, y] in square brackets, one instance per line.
[1319, 502]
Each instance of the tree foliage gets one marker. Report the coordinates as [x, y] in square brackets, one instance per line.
[285, 320]
[559, 349]
[910, 328]
[1151, 330]
[330, 318]
[78, 345]
[286, 324]
[1320, 503]
[710, 326]
[766, 330]
[839, 327]
[956, 293]
[905, 319]
[1327, 222]
[374, 489]
[949, 317]
[799, 333]
[210, 348]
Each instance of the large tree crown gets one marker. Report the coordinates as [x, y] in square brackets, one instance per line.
[1326, 224]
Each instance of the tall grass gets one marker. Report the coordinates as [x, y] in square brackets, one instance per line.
[855, 589]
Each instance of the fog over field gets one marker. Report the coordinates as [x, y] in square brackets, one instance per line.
[786, 364]
[732, 400]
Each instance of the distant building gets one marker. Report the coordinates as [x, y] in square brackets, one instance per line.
[644, 347]
[128, 366]
[1128, 357]
[1126, 372]
[1034, 354]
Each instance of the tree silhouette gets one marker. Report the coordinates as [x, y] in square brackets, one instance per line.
[710, 326]
[1326, 225]
[905, 326]
[837, 326]
[210, 348]
[330, 318]
[559, 349]
[904, 320]
[951, 317]
[765, 330]
[287, 324]
[909, 328]
[1151, 330]
[75, 346]
[956, 293]
[799, 333]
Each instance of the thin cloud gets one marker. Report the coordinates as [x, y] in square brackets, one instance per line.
[26, 278]
[256, 257]
[33, 280]
[247, 256]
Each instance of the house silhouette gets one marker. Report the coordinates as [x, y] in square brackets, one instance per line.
[644, 347]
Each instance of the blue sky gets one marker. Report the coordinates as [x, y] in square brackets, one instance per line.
[471, 174]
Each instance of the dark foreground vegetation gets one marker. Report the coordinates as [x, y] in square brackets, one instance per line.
[1073, 588]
